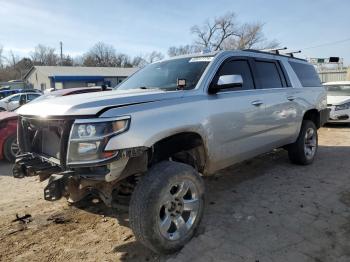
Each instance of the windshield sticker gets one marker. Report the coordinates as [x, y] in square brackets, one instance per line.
[201, 59]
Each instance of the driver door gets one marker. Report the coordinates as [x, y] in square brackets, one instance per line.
[237, 117]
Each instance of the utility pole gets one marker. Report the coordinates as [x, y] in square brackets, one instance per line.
[61, 44]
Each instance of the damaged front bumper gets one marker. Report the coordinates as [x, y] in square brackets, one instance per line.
[75, 184]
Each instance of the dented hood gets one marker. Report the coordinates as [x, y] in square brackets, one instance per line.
[92, 103]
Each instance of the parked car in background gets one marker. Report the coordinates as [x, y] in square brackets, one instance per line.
[13, 102]
[8, 92]
[8, 136]
[172, 122]
[8, 123]
[338, 100]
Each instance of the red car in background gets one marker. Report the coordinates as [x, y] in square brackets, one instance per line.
[8, 121]
[8, 136]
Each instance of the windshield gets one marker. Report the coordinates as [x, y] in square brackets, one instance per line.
[338, 90]
[182, 73]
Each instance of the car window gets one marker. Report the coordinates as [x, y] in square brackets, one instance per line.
[166, 74]
[306, 73]
[14, 99]
[31, 97]
[238, 67]
[268, 75]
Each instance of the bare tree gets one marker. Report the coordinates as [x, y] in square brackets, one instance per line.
[142, 60]
[225, 32]
[44, 55]
[139, 61]
[184, 50]
[154, 56]
[100, 54]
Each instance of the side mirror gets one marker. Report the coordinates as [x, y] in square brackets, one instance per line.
[227, 81]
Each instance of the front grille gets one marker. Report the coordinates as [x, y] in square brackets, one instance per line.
[45, 137]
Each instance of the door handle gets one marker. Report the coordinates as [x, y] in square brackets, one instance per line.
[257, 103]
[291, 98]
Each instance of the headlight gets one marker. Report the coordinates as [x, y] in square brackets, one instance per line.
[89, 137]
[342, 107]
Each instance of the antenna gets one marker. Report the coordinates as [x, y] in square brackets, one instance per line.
[291, 54]
[275, 50]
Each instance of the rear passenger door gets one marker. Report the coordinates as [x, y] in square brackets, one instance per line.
[275, 90]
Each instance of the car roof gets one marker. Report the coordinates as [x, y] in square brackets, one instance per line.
[334, 83]
[5, 115]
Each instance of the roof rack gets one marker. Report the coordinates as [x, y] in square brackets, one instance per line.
[291, 54]
[273, 52]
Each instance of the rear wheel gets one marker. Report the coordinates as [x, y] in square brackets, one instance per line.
[167, 206]
[11, 148]
[303, 151]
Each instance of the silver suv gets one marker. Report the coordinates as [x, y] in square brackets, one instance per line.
[148, 143]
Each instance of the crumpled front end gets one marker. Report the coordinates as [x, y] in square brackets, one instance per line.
[44, 146]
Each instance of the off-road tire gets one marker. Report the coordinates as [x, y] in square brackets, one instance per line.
[296, 151]
[146, 201]
[7, 148]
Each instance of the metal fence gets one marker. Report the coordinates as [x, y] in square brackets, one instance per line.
[333, 75]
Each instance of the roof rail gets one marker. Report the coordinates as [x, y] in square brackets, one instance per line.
[275, 53]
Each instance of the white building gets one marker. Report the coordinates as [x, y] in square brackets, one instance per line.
[58, 77]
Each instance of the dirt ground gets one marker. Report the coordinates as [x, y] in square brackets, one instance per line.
[265, 209]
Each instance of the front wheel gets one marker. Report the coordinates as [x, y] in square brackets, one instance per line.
[167, 206]
[303, 151]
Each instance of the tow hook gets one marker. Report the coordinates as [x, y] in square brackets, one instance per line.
[54, 189]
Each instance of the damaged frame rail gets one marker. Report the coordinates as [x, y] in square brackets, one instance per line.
[77, 184]
[31, 164]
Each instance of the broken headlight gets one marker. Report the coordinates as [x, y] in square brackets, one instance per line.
[89, 137]
[342, 106]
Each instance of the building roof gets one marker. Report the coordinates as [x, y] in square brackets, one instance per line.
[53, 71]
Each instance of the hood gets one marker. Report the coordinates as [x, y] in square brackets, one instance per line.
[92, 103]
[7, 116]
[337, 100]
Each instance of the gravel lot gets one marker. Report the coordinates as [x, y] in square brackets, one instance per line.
[265, 209]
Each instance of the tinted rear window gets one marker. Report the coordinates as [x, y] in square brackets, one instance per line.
[268, 75]
[306, 73]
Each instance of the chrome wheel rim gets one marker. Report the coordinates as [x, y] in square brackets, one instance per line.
[179, 210]
[310, 143]
[14, 148]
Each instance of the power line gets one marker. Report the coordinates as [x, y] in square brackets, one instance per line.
[327, 44]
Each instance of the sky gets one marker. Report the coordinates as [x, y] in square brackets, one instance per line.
[318, 28]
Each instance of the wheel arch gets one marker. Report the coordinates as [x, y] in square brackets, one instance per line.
[186, 146]
[314, 116]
